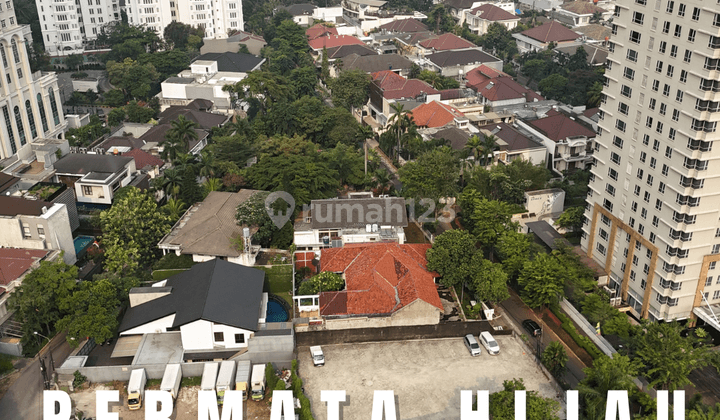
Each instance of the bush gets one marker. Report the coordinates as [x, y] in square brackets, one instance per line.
[79, 75]
[270, 376]
[296, 385]
[5, 364]
[581, 340]
[279, 385]
[79, 379]
[326, 281]
[171, 261]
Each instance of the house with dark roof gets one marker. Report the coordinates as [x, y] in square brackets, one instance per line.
[596, 53]
[539, 37]
[404, 26]
[375, 63]
[570, 143]
[387, 88]
[217, 306]
[339, 53]
[436, 114]
[205, 79]
[457, 138]
[360, 218]
[513, 144]
[233, 43]
[445, 42]
[497, 89]
[94, 177]
[302, 13]
[208, 230]
[386, 285]
[456, 63]
[458, 8]
[481, 17]
[8, 183]
[36, 224]
[15, 264]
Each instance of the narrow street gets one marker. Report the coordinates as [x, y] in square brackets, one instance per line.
[23, 401]
[386, 163]
[517, 311]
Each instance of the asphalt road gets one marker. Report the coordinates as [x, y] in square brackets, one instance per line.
[23, 401]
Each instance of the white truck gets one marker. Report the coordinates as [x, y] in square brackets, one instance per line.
[209, 377]
[136, 389]
[258, 382]
[225, 380]
[317, 356]
[171, 379]
[242, 377]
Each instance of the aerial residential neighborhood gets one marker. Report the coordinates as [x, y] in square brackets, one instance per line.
[426, 197]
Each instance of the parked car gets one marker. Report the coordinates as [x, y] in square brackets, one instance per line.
[488, 341]
[472, 345]
[532, 327]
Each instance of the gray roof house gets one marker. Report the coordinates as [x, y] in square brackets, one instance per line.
[456, 63]
[217, 306]
[94, 177]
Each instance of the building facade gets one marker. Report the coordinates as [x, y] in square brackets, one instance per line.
[653, 206]
[67, 24]
[30, 106]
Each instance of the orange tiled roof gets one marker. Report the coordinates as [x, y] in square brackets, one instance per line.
[435, 114]
[319, 30]
[380, 278]
[333, 41]
[447, 41]
[495, 85]
[395, 86]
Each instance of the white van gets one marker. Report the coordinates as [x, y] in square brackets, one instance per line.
[489, 342]
[472, 345]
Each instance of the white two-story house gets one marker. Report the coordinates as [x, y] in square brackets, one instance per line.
[95, 178]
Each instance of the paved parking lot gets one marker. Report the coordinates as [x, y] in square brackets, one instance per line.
[427, 376]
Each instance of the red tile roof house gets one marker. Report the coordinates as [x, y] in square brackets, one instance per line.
[387, 88]
[436, 114]
[331, 41]
[320, 30]
[15, 264]
[479, 18]
[498, 89]
[569, 143]
[445, 42]
[385, 285]
[538, 38]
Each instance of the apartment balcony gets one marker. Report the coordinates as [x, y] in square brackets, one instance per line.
[572, 157]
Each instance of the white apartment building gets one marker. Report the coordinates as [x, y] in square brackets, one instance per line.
[30, 106]
[67, 24]
[653, 208]
[217, 17]
[154, 14]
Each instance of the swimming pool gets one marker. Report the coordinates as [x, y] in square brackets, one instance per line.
[82, 243]
[276, 312]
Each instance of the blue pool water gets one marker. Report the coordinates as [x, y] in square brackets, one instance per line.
[275, 312]
[82, 242]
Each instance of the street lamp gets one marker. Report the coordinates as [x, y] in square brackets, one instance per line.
[37, 333]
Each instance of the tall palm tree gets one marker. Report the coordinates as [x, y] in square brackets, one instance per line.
[400, 123]
[489, 145]
[383, 181]
[594, 95]
[174, 208]
[207, 164]
[212, 184]
[364, 133]
[605, 375]
[172, 181]
[183, 130]
[474, 146]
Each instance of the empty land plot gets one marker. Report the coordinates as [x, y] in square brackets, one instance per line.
[426, 376]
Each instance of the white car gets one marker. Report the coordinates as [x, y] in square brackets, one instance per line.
[489, 342]
[472, 345]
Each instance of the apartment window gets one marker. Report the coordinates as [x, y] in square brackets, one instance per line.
[655, 221]
[716, 295]
[626, 91]
[605, 220]
[615, 158]
[633, 206]
[608, 205]
[658, 204]
[618, 142]
[681, 9]
[688, 56]
[629, 73]
[646, 197]
[653, 162]
[646, 140]
[648, 122]
[712, 63]
[643, 156]
[652, 237]
[691, 35]
[616, 12]
[656, 145]
[670, 6]
[659, 66]
[663, 46]
[715, 250]
[659, 127]
[635, 37]
[640, 173]
[663, 108]
[671, 133]
[652, 102]
[678, 31]
[603, 234]
[717, 235]
[655, 87]
[638, 18]
[637, 190]
[649, 180]
[716, 20]
[613, 29]
[613, 174]
[601, 248]
[666, 27]
[704, 146]
[666, 90]
[714, 42]
[712, 265]
[219, 336]
[620, 125]
[686, 200]
[673, 51]
[679, 95]
[643, 213]
[239, 338]
[610, 189]
[87, 190]
[632, 55]
[696, 14]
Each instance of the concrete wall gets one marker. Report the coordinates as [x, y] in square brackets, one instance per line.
[13, 349]
[313, 337]
[68, 198]
[587, 328]
[418, 312]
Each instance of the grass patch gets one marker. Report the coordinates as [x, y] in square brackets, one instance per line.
[172, 261]
[278, 281]
[163, 274]
[191, 381]
[413, 235]
[153, 383]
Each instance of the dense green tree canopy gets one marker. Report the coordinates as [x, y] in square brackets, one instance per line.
[451, 255]
[325, 281]
[542, 281]
[502, 403]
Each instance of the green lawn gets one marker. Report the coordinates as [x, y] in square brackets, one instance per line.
[163, 274]
[413, 235]
[278, 281]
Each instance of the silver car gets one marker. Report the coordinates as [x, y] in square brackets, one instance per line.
[472, 345]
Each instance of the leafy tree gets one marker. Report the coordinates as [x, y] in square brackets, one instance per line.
[137, 113]
[92, 311]
[440, 20]
[606, 374]
[74, 61]
[451, 255]
[304, 80]
[554, 358]
[252, 213]
[669, 358]
[174, 209]
[114, 97]
[432, 175]
[704, 413]
[351, 89]
[177, 33]
[325, 281]
[210, 185]
[499, 40]
[514, 249]
[325, 66]
[37, 300]
[572, 219]
[578, 61]
[502, 403]
[553, 86]
[261, 89]
[488, 281]
[166, 63]
[348, 163]
[438, 81]
[131, 230]
[594, 95]
[542, 281]
[190, 191]
[236, 149]
[86, 134]
[489, 219]
[132, 77]
[596, 309]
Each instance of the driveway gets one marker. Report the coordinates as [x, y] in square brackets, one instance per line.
[426, 375]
